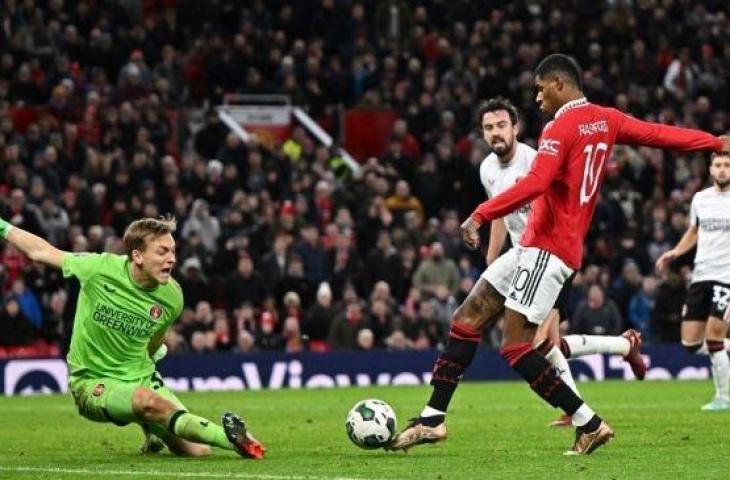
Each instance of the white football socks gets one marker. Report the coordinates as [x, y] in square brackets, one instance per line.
[589, 344]
[720, 373]
[557, 360]
[583, 415]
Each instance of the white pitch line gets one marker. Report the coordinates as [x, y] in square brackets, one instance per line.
[83, 471]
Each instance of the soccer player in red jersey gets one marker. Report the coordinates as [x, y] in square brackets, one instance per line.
[562, 186]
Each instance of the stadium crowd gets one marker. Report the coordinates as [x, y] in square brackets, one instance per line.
[282, 248]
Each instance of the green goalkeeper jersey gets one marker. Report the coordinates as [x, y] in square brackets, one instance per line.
[116, 317]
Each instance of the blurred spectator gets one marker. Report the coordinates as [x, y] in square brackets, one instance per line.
[274, 263]
[223, 338]
[668, 306]
[397, 341]
[53, 327]
[199, 343]
[365, 339]
[193, 282]
[245, 285]
[53, 220]
[641, 307]
[204, 224]
[435, 271]
[15, 328]
[681, 74]
[28, 302]
[317, 321]
[295, 281]
[292, 335]
[444, 305]
[176, 343]
[245, 343]
[22, 215]
[383, 261]
[345, 327]
[312, 253]
[381, 321]
[625, 286]
[596, 316]
[244, 318]
[266, 336]
[403, 201]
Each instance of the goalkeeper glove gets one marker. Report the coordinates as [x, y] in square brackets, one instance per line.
[4, 228]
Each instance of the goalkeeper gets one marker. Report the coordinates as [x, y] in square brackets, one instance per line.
[125, 306]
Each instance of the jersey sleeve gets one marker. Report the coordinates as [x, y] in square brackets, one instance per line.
[637, 132]
[483, 176]
[554, 143]
[178, 305]
[694, 220]
[82, 265]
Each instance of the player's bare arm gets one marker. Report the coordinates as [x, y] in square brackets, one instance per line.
[497, 237]
[685, 244]
[33, 246]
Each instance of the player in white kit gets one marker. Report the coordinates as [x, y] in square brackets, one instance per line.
[706, 313]
[509, 161]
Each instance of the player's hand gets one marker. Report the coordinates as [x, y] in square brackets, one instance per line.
[470, 233]
[663, 262]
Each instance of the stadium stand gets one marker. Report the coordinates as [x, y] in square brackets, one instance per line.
[279, 247]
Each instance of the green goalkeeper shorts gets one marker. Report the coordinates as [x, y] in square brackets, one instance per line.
[110, 400]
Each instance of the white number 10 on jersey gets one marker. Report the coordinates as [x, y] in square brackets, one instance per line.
[595, 157]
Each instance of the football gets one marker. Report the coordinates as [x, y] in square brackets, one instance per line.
[371, 424]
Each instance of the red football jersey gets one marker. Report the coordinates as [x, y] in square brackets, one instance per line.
[568, 172]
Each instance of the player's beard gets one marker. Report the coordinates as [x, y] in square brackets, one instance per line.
[722, 184]
[504, 148]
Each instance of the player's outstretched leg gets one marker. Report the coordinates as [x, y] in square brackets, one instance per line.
[150, 407]
[152, 443]
[708, 338]
[546, 340]
[591, 430]
[627, 344]
[715, 332]
[246, 445]
[481, 307]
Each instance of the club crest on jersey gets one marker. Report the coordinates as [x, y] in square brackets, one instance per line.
[549, 146]
[98, 389]
[155, 312]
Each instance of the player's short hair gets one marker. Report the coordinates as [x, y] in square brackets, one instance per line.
[144, 229]
[562, 65]
[495, 104]
[722, 153]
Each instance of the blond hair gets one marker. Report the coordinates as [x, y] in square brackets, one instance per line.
[144, 229]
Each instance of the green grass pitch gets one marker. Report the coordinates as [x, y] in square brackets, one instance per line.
[497, 430]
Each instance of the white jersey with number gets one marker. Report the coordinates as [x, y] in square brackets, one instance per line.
[710, 213]
[497, 178]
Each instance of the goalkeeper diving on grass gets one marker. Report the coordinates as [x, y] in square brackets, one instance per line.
[125, 306]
